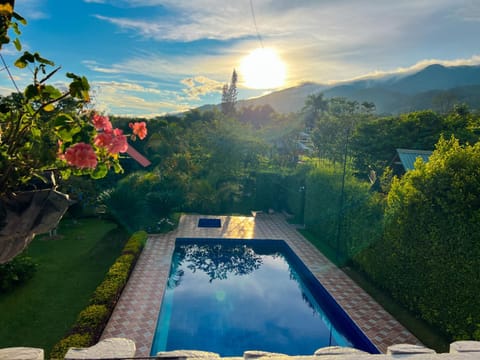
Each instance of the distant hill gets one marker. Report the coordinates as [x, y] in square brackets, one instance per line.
[434, 87]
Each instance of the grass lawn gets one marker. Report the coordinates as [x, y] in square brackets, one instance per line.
[425, 333]
[70, 267]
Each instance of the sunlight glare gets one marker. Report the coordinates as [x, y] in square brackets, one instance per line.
[263, 69]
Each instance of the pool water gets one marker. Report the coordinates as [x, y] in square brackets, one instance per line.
[231, 296]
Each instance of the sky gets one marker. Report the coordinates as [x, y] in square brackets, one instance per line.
[146, 58]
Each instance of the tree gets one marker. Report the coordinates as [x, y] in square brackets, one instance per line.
[314, 106]
[229, 95]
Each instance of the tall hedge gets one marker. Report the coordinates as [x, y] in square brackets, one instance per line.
[347, 225]
[429, 258]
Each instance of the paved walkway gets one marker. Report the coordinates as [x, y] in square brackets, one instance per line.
[136, 312]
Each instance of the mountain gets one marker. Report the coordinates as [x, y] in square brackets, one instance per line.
[434, 87]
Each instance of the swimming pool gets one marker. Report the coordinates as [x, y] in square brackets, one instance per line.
[229, 296]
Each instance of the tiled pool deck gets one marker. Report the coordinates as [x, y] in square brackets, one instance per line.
[136, 312]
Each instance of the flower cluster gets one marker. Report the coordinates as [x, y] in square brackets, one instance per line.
[108, 142]
[82, 156]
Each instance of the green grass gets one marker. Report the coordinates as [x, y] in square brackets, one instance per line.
[423, 331]
[70, 266]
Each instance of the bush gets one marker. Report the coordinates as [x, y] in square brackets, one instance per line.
[92, 320]
[16, 272]
[108, 292]
[429, 256]
[136, 243]
[74, 340]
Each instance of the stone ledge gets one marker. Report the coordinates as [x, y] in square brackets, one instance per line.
[21, 353]
[105, 349]
[120, 348]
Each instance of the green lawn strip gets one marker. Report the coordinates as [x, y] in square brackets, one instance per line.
[424, 332]
[70, 267]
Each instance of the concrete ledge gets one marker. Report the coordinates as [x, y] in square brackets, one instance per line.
[465, 347]
[408, 349]
[106, 349]
[21, 353]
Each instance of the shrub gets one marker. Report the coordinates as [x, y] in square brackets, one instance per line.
[74, 340]
[136, 243]
[119, 270]
[16, 272]
[92, 320]
[108, 292]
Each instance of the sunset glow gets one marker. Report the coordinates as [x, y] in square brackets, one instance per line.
[263, 69]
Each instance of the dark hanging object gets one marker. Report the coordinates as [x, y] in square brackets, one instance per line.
[26, 214]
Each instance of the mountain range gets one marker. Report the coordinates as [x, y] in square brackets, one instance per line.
[434, 87]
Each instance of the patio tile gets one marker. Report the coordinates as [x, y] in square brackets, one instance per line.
[135, 315]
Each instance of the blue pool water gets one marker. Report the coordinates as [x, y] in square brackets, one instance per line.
[229, 296]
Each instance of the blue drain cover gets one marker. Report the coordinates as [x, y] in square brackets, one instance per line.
[209, 223]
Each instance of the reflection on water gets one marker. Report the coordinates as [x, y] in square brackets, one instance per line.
[217, 261]
[229, 298]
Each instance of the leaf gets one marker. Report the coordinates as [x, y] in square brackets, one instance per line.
[36, 132]
[20, 18]
[17, 44]
[117, 168]
[23, 60]
[100, 172]
[49, 107]
[66, 133]
[62, 120]
[43, 60]
[79, 87]
[66, 173]
[6, 9]
[52, 91]
[31, 91]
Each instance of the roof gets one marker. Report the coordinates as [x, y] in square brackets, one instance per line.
[142, 160]
[408, 157]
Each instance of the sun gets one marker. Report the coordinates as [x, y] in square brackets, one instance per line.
[263, 69]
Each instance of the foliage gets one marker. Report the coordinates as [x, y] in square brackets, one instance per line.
[75, 340]
[92, 320]
[44, 128]
[429, 256]
[16, 272]
[374, 142]
[335, 122]
[347, 226]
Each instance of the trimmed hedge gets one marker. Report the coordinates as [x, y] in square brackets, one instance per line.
[91, 321]
[75, 340]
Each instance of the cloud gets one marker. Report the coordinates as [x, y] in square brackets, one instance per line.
[32, 9]
[132, 98]
[199, 86]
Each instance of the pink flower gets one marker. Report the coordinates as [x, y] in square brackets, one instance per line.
[118, 143]
[113, 140]
[101, 122]
[82, 156]
[139, 129]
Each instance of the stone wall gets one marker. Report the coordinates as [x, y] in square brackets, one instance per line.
[120, 348]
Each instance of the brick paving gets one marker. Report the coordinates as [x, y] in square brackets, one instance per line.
[136, 312]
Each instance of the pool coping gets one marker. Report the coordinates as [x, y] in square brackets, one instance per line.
[136, 312]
